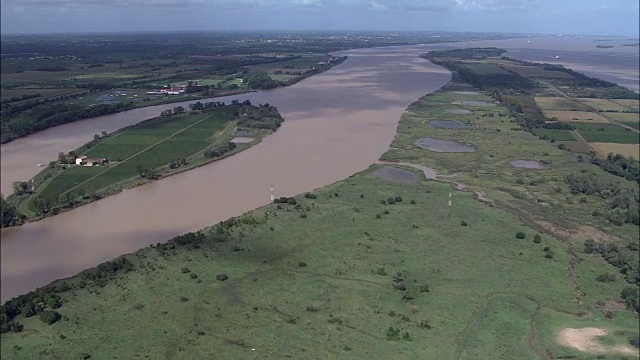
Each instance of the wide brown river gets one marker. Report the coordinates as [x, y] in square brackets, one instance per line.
[336, 123]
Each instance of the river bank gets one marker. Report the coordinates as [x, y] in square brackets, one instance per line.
[338, 123]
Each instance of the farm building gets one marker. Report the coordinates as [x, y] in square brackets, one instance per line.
[87, 161]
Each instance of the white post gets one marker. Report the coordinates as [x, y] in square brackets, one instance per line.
[272, 197]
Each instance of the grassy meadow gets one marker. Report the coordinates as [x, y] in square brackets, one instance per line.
[403, 280]
[497, 142]
[368, 268]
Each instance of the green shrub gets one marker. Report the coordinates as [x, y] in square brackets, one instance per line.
[537, 239]
[412, 202]
[463, 223]
[50, 317]
[391, 201]
[310, 196]
[520, 235]
[185, 270]
[398, 199]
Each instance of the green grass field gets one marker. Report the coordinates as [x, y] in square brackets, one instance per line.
[290, 294]
[557, 135]
[610, 133]
[150, 145]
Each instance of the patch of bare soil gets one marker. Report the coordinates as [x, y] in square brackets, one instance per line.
[611, 305]
[585, 232]
[584, 340]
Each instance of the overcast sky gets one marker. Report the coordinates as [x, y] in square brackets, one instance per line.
[597, 17]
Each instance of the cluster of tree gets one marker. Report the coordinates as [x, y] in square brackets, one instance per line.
[22, 188]
[176, 163]
[261, 117]
[20, 98]
[95, 65]
[10, 214]
[466, 54]
[54, 115]
[11, 110]
[624, 203]
[626, 167]
[631, 298]
[97, 86]
[145, 173]
[175, 111]
[219, 150]
[41, 302]
[625, 259]
[52, 68]
[260, 80]
[198, 105]
[189, 241]
[107, 270]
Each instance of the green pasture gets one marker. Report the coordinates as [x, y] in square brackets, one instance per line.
[611, 133]
[298, 287]
[150, 145]
[538, 193]
[557, 135]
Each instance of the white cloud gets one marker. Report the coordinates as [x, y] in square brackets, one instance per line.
[411, 5]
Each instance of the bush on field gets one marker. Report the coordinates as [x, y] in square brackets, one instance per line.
[520, 235]
[50, 317]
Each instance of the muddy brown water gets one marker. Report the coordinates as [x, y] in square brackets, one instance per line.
[337, 123]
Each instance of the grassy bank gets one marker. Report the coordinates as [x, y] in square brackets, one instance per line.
[403, 280]
[367, 268]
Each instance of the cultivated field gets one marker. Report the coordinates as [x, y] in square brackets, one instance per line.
[632, 150]
[570, 116]
[633, 105]
[536, 71]
[609, 133]
[604, 104]
[558, 103]
[149, 145]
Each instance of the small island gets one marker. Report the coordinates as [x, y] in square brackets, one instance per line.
[178, 140]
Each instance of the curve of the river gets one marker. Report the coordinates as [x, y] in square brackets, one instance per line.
[336, 123]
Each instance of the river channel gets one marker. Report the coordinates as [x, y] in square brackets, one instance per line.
[336, 123]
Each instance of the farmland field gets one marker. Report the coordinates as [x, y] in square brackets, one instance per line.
[558, 103]
[603, 104]
[576, 146]
[149, 145]
[537, 71]
[608, 133]
[557, 135]
[633, 105]
[604, 149]
[571, 116]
